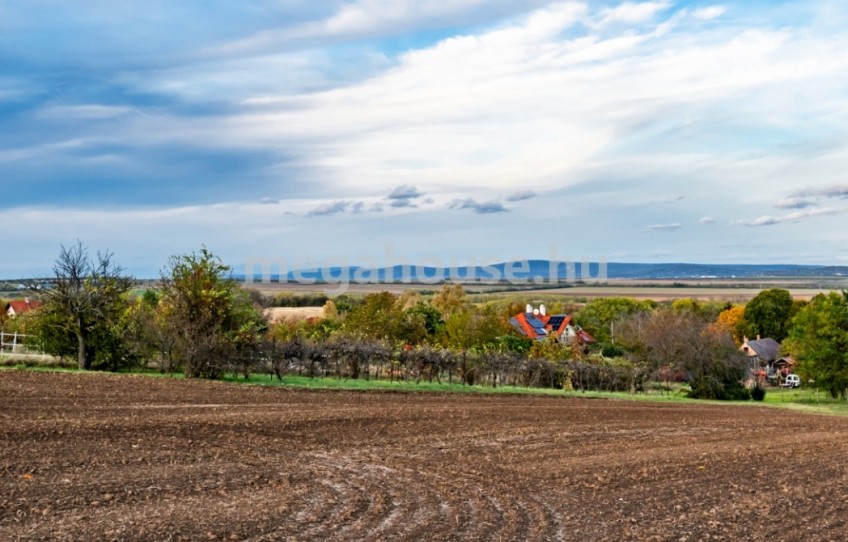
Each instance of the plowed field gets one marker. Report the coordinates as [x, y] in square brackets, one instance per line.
[104, 457]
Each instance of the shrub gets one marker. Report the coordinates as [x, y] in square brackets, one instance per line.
[724, 389]
[758, 392]
[611, 350]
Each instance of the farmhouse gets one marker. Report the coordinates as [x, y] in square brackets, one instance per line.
[20, 306]
[537, 324]
[765, 350]
[764, 356]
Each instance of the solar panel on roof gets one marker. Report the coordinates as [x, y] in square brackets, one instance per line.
[556, 321]
[537, 325]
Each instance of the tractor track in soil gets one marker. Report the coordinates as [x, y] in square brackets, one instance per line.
[123, 457]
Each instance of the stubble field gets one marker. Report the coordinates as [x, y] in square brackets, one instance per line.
[105, 457]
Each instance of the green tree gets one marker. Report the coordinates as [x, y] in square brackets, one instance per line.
[86, 300]
[450, 299]
[769, 314]
[212, 323]
[49, 331]
[819, 339]
[430, 316]
[475, 329]
[377, 317]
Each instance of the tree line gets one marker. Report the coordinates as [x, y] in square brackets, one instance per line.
[201, 322]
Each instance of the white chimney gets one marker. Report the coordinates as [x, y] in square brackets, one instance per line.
[542, 310]
[536, 312]
[529, 308]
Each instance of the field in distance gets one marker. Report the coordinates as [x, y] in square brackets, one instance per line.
[659, 290]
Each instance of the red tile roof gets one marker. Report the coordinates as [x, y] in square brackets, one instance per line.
[539, 326]
[20, 306]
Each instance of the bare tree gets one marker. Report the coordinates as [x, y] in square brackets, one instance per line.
[668, 341]
[86, 293]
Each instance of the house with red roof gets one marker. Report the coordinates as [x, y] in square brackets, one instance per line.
[17, 307]
[537, 324]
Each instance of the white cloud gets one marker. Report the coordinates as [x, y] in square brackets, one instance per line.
[367, 15]
[524, 104]
[633, 12]
[404, 191]
[327, 209]
[839, 190]
[374, 18]
[793, 203]
[795, 216]
[86, 112]
[521, 195]
[708, 13]
[663, 227]
[706, 220]
[488, 207]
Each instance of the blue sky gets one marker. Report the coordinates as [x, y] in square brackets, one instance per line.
[366, 131]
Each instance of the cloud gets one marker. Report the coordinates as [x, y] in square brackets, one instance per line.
[765, 220]
[490, 207]
[403, 196]
[796, 216]
[404, 191]
[633, 12]
[663, 227]
[521, 195]
[358, 19]
[331, 208]
[353, 207]
[269, 201]
[831, 191]
[402, 204]
[706, 220]
[794, 203]
[481, 208]
[708, 13]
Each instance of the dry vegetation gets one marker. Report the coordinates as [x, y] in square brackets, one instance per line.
[104, 457]
[279, 314]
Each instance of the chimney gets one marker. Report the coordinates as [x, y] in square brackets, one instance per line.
[758, 336]
[542, 310]
[529, 308]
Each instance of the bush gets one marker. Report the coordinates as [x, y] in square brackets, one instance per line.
[758, 392]
[611, 350]
[722, 389]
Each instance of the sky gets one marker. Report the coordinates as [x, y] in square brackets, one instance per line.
[375, 132]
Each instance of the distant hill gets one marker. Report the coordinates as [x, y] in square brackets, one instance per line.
[547, 271]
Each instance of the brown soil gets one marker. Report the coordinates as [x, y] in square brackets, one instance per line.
[104, 457]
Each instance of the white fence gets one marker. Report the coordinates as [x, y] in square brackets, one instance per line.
[13, 342]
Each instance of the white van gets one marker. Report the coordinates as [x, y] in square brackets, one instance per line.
[792, 381]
